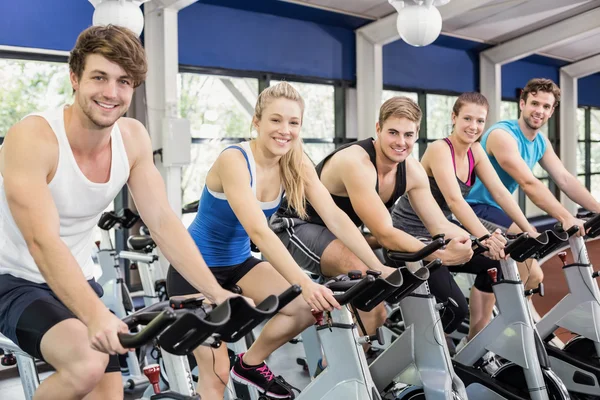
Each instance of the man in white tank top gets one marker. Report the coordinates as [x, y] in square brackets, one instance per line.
[59, 170]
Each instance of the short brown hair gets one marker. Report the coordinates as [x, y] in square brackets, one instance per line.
[541, 85]
[470, 98]
[115, 43]
[400, 107]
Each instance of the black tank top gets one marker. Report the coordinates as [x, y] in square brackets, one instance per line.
[344, 202]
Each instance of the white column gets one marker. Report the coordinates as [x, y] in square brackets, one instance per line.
[161, 38]
[490, 82]
[568, 131]
[369, 84]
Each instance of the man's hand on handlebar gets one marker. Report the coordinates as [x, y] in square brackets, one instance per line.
[103, 330]
[457, 252]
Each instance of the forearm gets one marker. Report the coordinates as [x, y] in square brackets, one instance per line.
[343, 229]
[579, 194]
[64, 276]
[511, 208]
[467, 217]
[541, 196]
[179, 248]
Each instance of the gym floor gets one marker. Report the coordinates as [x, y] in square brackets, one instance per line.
[283, 361]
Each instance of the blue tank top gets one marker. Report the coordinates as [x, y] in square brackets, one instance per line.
[531, 152]
[220, 237]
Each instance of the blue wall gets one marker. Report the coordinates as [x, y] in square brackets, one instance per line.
[589, 90]
[515, 75]
[213, 36]
[243, 35]
[430, 68]
[46, 24]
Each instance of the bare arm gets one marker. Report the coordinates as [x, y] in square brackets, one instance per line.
[28, 160]
[567, 183]
[425, 206]
[30, 153]
[359, 178]
[148, 191]
[490, 179]
[235, 179]
[337, 221]
[442, 169]
[503, 146]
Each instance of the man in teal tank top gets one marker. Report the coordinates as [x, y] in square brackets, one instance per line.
[514, 147]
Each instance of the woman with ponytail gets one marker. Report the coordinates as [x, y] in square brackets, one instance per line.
[244, 187]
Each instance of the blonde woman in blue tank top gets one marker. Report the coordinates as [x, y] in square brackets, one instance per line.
[453, 164]
[238, 198]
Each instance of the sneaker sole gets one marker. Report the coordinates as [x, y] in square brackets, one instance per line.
[246, 382]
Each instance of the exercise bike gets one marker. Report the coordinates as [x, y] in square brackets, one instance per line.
[577, 364]
[512, 335]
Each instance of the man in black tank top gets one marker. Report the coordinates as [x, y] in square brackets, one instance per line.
[365, 179]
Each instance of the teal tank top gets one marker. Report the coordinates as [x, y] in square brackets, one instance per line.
[531, 152]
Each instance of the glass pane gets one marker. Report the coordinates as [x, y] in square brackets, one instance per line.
[415, 151]
[388, 94]
[318, 151]
[319, 113]
[29, 86]
[595, 157]
[581, 123]
[531, 210]
[539, 172]
[509, 110]
[193, 176]
[581, 158]
[595, 124]
[217, 106]
[595, 189]
[439, 115]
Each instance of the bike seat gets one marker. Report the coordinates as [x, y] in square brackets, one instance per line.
[190, 302]
[141, 242]
[190, 207]
[233, 289]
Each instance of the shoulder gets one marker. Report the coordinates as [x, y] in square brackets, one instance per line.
[231, 158]
[132, 130]
[30, 144]
[500, 135]
[437, 147]
[414, 169]
[352, 157]
[32, 131]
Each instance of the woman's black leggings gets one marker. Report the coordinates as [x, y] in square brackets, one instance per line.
[442, 285]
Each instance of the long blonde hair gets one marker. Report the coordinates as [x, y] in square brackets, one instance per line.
[291, 165]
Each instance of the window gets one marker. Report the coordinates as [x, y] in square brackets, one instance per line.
[588, 159]
[220, 112]
[509, 110]
[318, 125]
[29, 86]
[594, 157]
[439, 116]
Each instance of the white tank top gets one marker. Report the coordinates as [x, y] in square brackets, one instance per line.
[79, 202]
